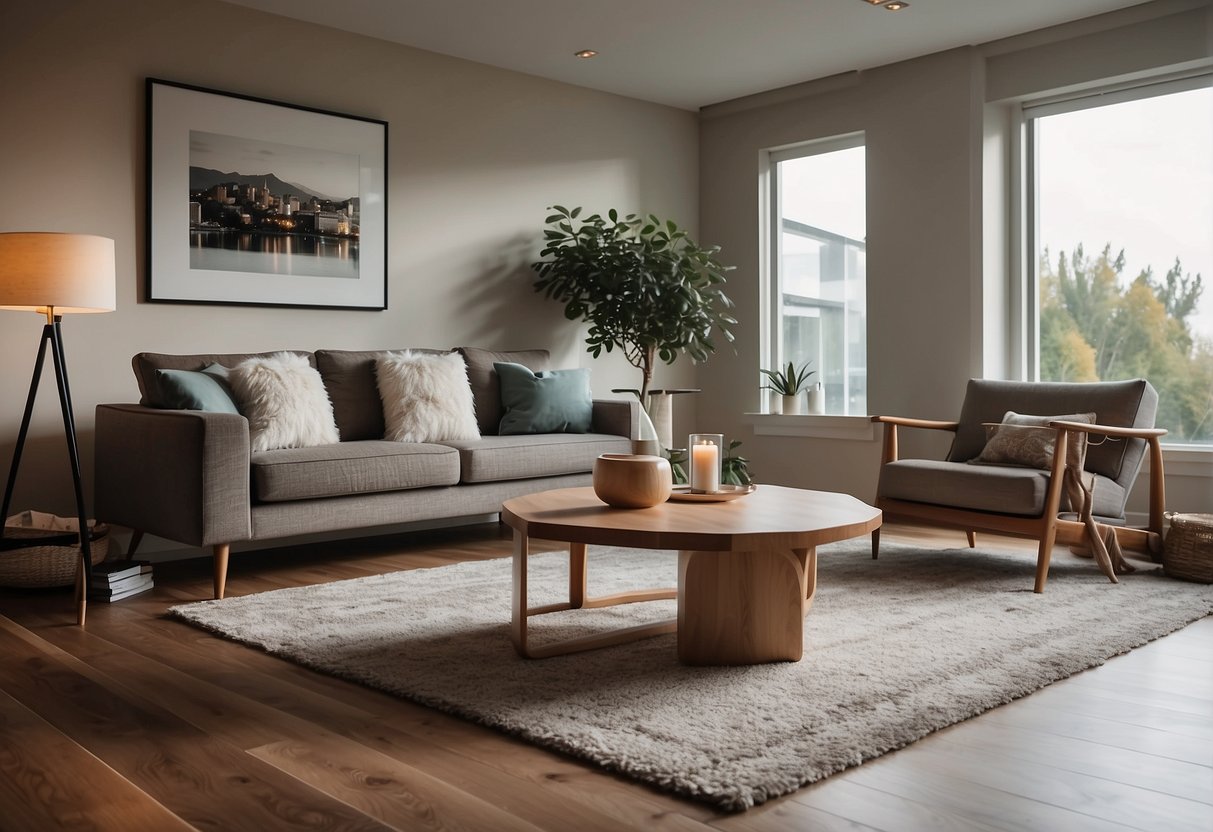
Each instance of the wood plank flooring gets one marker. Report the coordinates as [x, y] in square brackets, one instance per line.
[139, 722]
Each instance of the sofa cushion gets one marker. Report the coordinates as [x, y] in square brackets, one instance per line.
[1002, 489]
[348, 468]
[349, 377]
[494, 458]
[205, 390]
[426, 398]
[146, 364]
[550, 401]
[285, 402]
[486, 387]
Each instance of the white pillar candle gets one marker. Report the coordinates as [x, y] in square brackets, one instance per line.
[705, 467]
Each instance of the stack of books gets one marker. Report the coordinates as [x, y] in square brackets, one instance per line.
[115, 580]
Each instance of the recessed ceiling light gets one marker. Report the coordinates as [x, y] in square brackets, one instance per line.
[585, 53]
[896, 5]
[875, 2]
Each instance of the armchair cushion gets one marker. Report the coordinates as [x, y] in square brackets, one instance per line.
[995, 488]
[1119, 403]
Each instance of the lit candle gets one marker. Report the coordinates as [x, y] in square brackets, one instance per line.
[705, 467]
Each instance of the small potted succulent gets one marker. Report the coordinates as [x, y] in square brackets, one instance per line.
[789, 382]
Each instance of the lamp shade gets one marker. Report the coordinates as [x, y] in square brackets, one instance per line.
[64, 272]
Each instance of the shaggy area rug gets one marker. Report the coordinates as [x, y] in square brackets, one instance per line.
[894, 649]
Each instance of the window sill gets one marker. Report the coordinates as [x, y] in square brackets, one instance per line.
[1185, 461]
[856, 428]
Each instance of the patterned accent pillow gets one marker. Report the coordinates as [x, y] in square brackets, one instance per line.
[1024, 440]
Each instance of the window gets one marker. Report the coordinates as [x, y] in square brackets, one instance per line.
[1121, 215]
[817, 280]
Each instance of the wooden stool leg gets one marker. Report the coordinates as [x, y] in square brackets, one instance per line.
[972, 536]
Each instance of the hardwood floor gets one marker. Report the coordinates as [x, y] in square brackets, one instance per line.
[140, 722]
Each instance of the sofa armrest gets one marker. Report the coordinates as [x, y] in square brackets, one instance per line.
[618, 416]
[178, 474]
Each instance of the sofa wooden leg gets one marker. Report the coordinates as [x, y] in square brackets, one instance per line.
[221, 552]
[972, 536]
[875, 544]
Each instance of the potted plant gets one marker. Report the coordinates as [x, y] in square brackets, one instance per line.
[643, 285]
[788, 383]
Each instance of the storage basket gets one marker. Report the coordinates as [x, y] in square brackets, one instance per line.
[42, 558]
[1188, 551]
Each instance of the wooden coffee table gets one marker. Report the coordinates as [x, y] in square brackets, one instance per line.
[747, 569]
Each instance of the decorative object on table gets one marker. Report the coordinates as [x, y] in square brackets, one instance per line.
[734, 469]
[706, 454]
[883, 673]
[1187, 553]
[632, 480]
[43, 550]
[725, 494]
[262, 203]
[115, 580]
[642, 284]
[788, 383]
[817, 400]
[56, 274]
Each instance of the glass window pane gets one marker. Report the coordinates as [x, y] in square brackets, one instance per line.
[820, 277]
[1124, 205]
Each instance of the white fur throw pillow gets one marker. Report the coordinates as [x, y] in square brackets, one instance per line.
[426, 398]
[284, 399]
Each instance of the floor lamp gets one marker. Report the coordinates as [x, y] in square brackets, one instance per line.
[54, 275]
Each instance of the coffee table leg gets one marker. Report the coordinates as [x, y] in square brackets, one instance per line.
[578, 599]
[743, 607]
[518, 613]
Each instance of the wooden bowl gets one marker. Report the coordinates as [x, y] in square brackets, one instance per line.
[632, 480]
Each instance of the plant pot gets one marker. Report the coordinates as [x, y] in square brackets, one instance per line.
[791, 405]
[775, 404]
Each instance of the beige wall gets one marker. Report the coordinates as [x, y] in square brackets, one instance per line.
[476, 154]
[938, 241]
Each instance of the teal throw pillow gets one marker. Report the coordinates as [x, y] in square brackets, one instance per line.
[550, 401]
[189, 390]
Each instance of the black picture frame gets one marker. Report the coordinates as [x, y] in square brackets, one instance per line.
[287, 204]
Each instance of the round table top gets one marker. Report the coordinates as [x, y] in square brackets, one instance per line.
[772, 517]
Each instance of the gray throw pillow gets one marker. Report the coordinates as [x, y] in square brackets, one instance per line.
[550, 401]
[206, 390]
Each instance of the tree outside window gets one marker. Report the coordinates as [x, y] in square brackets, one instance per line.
[1123, 203]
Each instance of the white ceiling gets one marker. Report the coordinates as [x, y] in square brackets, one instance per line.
[686, 53]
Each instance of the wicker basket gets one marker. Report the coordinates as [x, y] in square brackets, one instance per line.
[1188, 551]
[47, 564]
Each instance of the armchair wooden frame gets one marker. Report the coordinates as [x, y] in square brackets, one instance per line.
[1048, 528]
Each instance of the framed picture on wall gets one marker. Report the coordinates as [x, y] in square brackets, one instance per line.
[258, 202]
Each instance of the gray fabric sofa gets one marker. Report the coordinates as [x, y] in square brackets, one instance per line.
[189, 476]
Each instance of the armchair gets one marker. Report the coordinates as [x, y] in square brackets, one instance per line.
[1026, 501]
